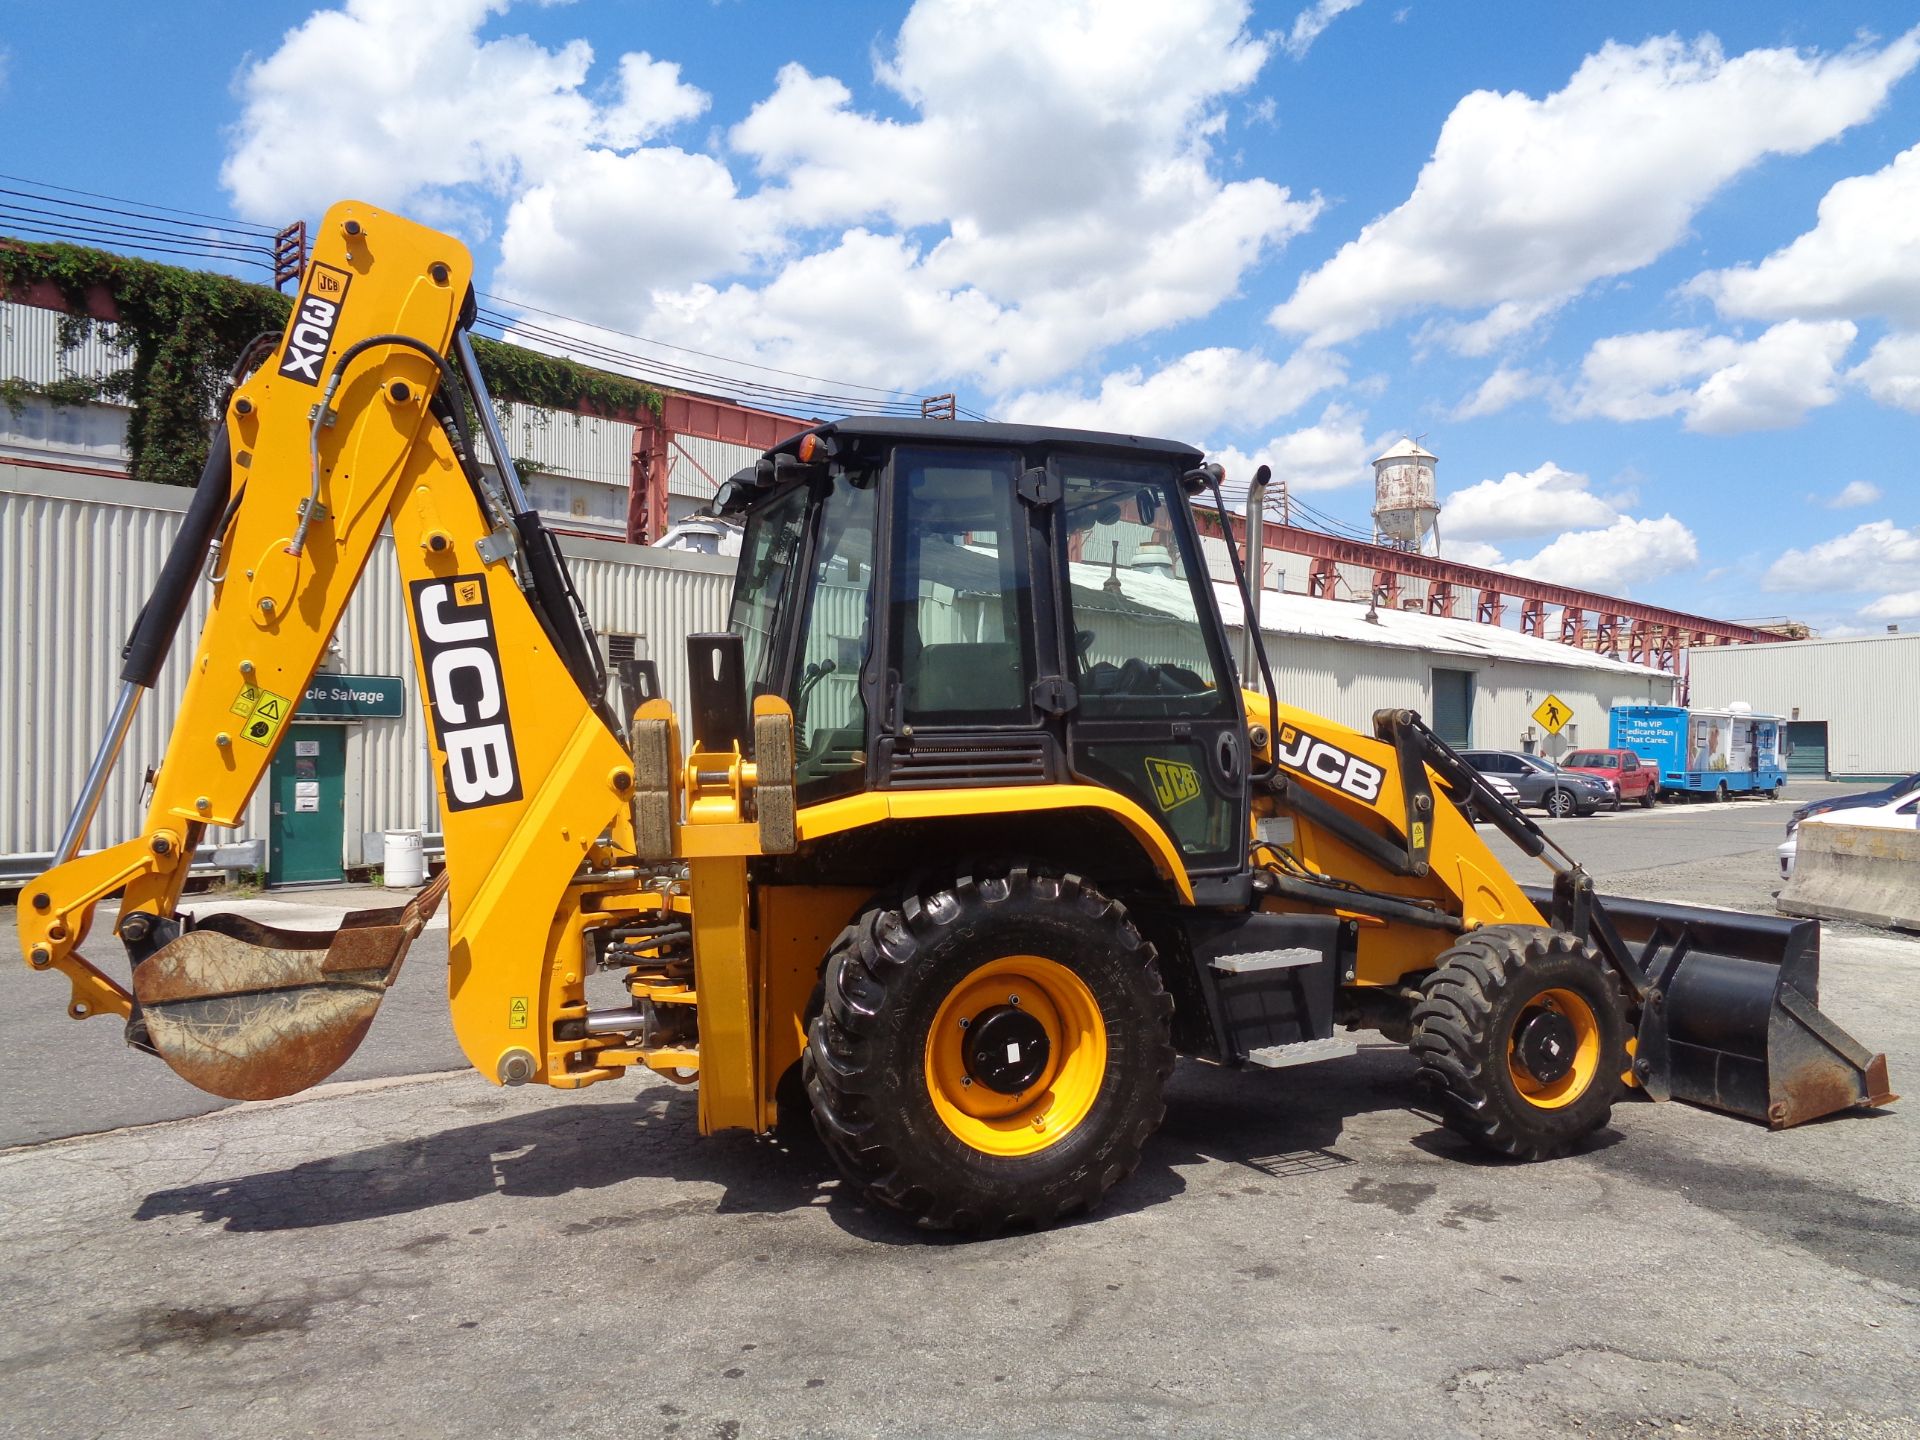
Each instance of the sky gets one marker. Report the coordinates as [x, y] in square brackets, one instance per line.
[1645, 278]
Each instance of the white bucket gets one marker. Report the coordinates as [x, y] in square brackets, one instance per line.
[406, 860]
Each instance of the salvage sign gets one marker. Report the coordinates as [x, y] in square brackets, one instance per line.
[355, 697]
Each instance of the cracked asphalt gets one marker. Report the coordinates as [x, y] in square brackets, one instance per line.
[1301, 1253]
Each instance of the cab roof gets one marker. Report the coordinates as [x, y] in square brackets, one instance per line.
[990, 433]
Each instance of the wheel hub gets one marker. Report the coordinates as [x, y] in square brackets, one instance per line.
[1006, 1049]
[1545, 1045]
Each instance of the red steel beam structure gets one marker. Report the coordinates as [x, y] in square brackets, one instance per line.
[702, 418]
[1656, 635]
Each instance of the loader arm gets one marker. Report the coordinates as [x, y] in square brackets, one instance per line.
[352, 424]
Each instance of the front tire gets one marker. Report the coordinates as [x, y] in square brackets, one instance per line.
[1523, 1034]
[1559, 804]
[990, 1053]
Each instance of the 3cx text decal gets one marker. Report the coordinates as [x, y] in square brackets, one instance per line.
[313, 322]
[454, 621]
[1174, 782]
[1328, 764]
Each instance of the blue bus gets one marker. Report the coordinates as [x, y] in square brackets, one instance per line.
[1721, 753]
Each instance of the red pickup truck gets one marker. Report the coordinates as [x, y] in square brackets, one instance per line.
[1636, 779]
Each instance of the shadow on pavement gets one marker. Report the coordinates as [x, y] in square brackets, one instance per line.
[1278, 1126]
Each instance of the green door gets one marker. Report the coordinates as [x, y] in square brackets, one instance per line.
[1808, 739]
[309, 791]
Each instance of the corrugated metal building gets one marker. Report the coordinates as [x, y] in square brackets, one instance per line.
[1851, 704]
[79, 554]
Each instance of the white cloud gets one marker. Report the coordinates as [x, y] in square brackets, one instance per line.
[1853, 494]
[1615, 558]
[1876, 556]
[1505, 322]
[1051, 189]
[1719, 384]
[403, 105]
[1891, 371]
[1902, 606]
[1333, 452]
[1472, 552]
[1199, 393]
[1611, 560]
[1309, 23]
[1506, 386]
[1862, 258]
[1530, 200]
[1543, 501]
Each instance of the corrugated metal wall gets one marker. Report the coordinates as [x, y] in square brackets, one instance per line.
[696, 467]
[1328, 678]
[78, 557]
[1866, 690]
[30, 348]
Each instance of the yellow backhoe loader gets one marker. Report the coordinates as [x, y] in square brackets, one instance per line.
[969, 830]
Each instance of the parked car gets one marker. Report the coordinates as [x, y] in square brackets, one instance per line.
[1900, 813]
[1541, 782]
[1500, 786]
[1866, 799]
[1633, 778]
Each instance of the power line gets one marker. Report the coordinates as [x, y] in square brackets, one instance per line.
[263, 230]
[685, 350]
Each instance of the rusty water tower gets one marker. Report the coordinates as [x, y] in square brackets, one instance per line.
[1405, 508]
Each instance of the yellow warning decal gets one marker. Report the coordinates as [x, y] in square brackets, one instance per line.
[517, 1013]
[244, 702]
[1174, 782]
[268, 714]
[1418, 834]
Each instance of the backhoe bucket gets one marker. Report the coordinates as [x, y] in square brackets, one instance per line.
[1739, 1026]
[251, 1012]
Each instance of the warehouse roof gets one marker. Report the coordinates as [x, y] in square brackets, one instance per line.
[1284, 613]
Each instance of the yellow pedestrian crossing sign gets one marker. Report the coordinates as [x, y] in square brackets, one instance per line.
[1553, 713]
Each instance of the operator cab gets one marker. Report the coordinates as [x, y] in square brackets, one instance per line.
[952, 605]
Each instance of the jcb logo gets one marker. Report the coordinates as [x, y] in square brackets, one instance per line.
[1174, 782]
[455, 624]
[1329, 764]
[313, 322]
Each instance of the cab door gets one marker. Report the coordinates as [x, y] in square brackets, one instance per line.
[1158, 716]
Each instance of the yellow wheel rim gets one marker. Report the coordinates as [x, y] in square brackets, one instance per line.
[1053, 1107]
[1586, 1051]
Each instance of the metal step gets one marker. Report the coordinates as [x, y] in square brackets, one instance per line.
[1254, 960]
[1302, 1052]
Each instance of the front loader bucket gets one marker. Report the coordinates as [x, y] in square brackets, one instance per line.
[1734, 1020]
[251, 1012]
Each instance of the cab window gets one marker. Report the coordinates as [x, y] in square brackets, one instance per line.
[1134, 596]
[962, 633]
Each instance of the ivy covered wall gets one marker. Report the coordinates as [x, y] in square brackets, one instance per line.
[180, 332]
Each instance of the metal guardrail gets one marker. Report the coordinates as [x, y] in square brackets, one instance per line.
[242, 855]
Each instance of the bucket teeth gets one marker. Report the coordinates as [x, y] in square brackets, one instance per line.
[250, 1012]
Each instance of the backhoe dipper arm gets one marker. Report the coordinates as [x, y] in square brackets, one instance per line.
[352, 424]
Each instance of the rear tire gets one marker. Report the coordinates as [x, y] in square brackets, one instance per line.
[1649, 797]
[1722, 795]
[923, 1126]
[1486, 1024]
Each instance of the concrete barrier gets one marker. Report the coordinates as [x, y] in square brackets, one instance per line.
[1852, 872]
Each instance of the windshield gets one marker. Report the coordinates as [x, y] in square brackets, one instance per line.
[1592, 760]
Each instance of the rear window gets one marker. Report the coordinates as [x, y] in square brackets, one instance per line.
[1592, 760]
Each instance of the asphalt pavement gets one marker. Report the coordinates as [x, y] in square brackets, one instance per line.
[1301, 1253]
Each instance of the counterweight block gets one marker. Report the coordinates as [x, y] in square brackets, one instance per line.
[250, 1012]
